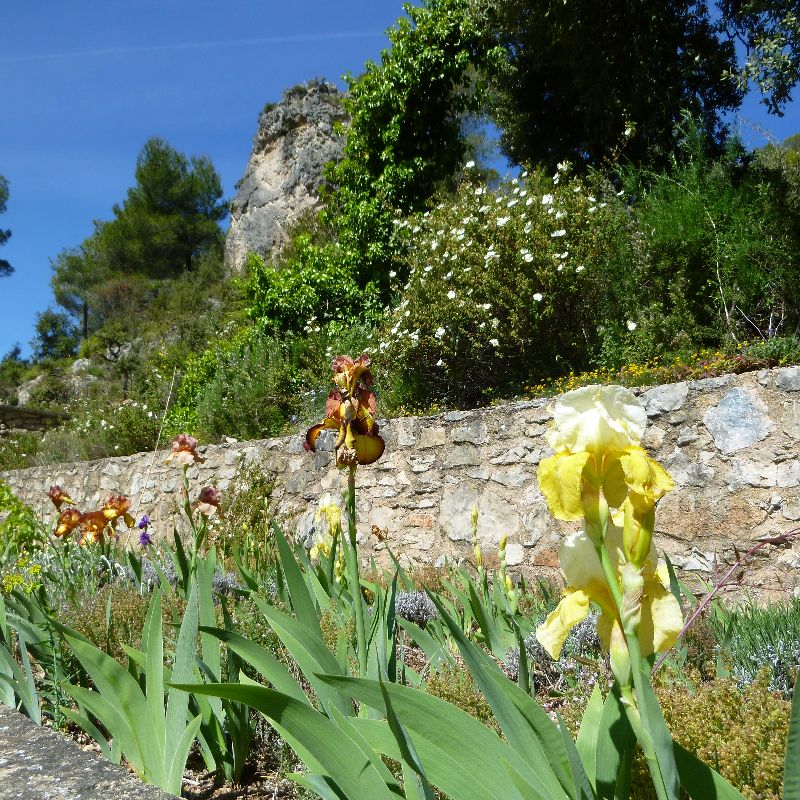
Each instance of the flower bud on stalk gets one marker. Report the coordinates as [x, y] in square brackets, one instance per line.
[595, 509]
[637, 530]
[476, 547]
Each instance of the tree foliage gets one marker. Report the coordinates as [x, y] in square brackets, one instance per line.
[770, 33]
[582, 77]
[404, 141]
[5, 267]
[56, 337]
[169, 217]
[168, 222]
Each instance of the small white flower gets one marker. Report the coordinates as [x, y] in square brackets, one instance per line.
[494, 342]
[580, 268]
[486, 306]
[434, 244]
[560, 214]
[511, 203]
[537, 297]
[451, 295]
[558, 234]
[631, 325]
[547, 199]
[528, 201]
[439, 363]
[528, 258]
[393, 274]
[469, 164]
[479, 191]
[439, 333]
[502, 221]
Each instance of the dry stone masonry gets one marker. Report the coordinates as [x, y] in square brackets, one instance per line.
[731, 443]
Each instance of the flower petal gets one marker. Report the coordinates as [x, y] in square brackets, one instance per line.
[662, 618]
[643, 475]
[552, 633]
[369, 448]
[332, 403]
[581, 566]
[312, 434]
[597, 418]
[560, 479]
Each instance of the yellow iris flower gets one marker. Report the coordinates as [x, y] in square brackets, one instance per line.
[596, 438]
[659, 614]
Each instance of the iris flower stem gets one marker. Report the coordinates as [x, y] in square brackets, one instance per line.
[353, 577]
[639, 725]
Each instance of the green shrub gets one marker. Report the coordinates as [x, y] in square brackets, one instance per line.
[504, 288]
[739, 732]
[246, 522]
[753, 638]
[456, 685]
[309, 286]
[19, 528]
[720, 252]
[261, 384]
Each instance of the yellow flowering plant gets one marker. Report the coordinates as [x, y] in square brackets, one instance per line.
[600, 474]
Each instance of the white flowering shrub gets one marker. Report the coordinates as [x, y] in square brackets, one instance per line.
[503, 288]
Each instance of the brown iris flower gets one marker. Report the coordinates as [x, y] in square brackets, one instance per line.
[350, 409]
[93, 526]
[184, 451]
[68, 520]
[117, 506]
[59, 497]
[208, 500]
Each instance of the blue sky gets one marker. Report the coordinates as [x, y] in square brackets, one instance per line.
[84, 84]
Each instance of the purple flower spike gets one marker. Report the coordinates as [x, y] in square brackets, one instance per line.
[144, 522]
[145, 539]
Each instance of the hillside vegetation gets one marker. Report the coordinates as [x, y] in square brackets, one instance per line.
[635, 239]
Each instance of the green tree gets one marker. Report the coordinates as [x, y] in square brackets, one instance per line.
[582, 78]
[5, 267]
[770, 33]
[168, 223]
[169, 218]
[56, 336]
[77, 274]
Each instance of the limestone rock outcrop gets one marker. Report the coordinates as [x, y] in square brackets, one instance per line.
[295, 140]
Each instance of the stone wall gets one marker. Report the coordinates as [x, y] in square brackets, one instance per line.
[731, 443]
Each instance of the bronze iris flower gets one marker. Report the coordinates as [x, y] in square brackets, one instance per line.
[350, 409]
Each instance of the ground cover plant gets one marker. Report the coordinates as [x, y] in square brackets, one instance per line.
[464, 682]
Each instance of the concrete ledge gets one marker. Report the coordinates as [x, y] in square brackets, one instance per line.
[40, 764]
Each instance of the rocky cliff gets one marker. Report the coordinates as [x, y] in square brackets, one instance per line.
[295, 140]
